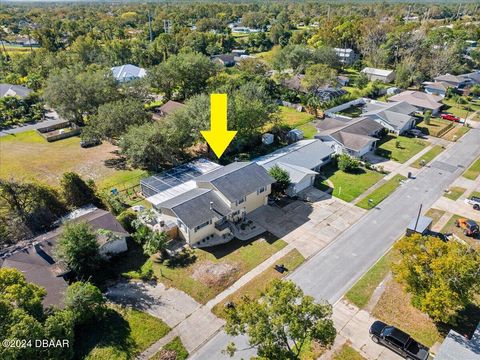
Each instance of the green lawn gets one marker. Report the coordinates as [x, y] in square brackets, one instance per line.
[427, 157]
[381, 193]
[454, 192]
[360, 293]
[309, 130]
[435, 214]
[255, 287]
[243, 255]
[294, 118]
[352, 111]
[347, 353]
[461, 110]
[123, 334]
[436, 126]
[268, 56]
[456, 133]
[348, 186]
[175, 345]
[473, 171]
[402, 152]
[27, 155]
[474, 193]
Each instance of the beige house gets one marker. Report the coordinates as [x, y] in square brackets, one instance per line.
[207, 212]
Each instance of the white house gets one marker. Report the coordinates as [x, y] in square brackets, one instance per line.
[385, 76]
[346, 56]
[128, 72]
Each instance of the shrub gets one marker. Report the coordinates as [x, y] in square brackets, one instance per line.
[348, 163]
[126, 218]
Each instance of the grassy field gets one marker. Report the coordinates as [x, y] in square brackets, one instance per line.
[243, 256]
[268, 56]
[121, 335]
[428, 156]
[406, 149]
[16, 50]
[473, 171]
[29, 156]
[254, 288]
[436, 126]
[347, 353]
[456, 133]
[381, 193]
[360, 293]
[352, 111]
[461, 110]
[454, 192]
[294, 118]
[394, 308]
[451, 228]
[348, 186]
[175, 345]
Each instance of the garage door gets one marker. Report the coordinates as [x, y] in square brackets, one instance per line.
[302, 185]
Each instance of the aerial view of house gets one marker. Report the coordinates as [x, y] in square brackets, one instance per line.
[204, 180]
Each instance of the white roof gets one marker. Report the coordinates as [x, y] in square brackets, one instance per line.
[128, 71]
[378, 72]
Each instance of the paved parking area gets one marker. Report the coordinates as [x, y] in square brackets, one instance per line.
[170, 305]
[309, 226]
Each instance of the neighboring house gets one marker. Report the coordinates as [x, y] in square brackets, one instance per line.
[226, 60]
[302, 160]
[346, 56]
[420, 100]
[204, 208]
[169, 107]
[455, 81]
[436, 88]
[326, 93]
[396, 117]
[474, 77]
[385, 76]
[14, 90]
[37, 260]
[355, 137]
[128, 72]
[458, 347]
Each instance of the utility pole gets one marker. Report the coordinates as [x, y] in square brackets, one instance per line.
[418, 218]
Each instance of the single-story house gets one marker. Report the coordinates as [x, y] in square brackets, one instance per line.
[453, 80]
[346, 56]
[396, 117]
[37, 260]
[302, 160]
[458, 347]
[207, 210]
[224, 59]
[420, 100]
[169, 107]
[128, 72]
[385, 76]
[354, 137]
[436, 88]
[14, 90]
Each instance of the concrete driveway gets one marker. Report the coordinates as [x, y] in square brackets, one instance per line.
[170, 305]
[309, 226]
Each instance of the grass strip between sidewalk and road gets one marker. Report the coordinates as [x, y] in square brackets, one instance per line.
[381, 193]
[473, 171]
[428, 156]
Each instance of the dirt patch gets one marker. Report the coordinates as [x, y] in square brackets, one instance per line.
[166, 355]
[212, 274]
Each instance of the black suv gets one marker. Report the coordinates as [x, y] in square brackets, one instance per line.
[398, 341]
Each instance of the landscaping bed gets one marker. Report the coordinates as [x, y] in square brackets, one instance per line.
[122, 334]
[347, 186]
[204, 273]
[429, 156]
[402, 151]
[381, 193]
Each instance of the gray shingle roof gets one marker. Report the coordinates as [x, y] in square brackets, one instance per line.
[419, 99]
[304, 153]
[14, 90]
[193, 207]
[237, 179]
[457, 347]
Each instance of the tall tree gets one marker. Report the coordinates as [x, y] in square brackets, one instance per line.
[318, 76]
[76, 192]
[441, 276]
[85, 301]
[281, 323]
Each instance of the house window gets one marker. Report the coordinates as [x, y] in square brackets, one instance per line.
[261, 190]
[206, 223]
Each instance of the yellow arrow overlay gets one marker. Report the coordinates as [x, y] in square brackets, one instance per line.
[218, 137]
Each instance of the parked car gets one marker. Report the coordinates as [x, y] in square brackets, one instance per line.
[398, 341]
[469, 227]
[475, 201]
[415, 133]
[450, 117]
[90, 143]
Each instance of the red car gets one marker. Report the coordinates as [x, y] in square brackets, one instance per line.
[450, 117]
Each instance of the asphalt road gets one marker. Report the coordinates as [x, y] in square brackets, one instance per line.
[331, 272]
